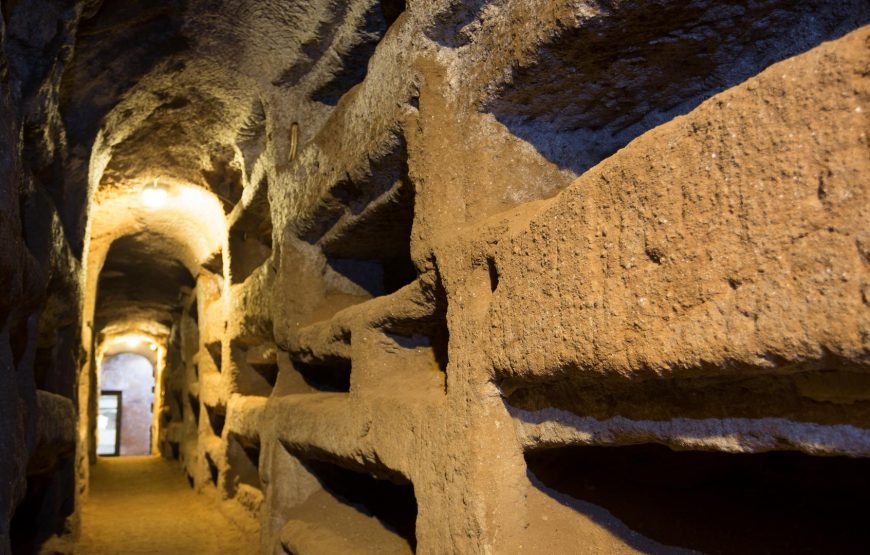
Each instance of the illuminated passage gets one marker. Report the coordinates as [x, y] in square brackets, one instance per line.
[143, 505]
[386, 277]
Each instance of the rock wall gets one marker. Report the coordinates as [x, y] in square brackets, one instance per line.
[40, 263]
[539, 251]
[501, 276]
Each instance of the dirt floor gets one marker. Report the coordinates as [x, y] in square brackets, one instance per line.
[141, 505]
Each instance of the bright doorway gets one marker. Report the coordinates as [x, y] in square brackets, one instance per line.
[126, 404]
[109, 423]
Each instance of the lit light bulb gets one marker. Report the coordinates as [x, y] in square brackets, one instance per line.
[154, 196]
[132, 342]
[152, 346]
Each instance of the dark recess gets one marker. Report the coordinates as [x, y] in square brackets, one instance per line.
[47, 502]
[439, 331]
[392, 9]
[247, 253]
[354, 63]
[217, 417]
[244, 461]
[225, 179]
[431, 331]
[377, 277]
[717, 503]
[394, 504]
[193, 311]
[367, 215]
[252, 452]
[493, 274]
[20, 338]
[214, 350]
[268, 371]
[212, 469]
[256, 372]
[332, 376]
[370, 239]
[375, 251]
[176, 404]
[250, 240]
[194, 406]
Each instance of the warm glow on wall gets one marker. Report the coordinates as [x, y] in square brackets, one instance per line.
[154, 196]
[134, 342]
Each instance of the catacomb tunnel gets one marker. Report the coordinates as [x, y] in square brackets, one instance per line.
[313, 277]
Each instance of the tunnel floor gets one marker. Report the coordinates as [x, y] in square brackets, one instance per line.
[141, 505]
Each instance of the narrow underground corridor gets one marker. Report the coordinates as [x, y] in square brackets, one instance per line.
[139, 502]
[142, 504]
[315, 277]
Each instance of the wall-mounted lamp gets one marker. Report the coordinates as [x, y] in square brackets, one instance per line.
[154, 196]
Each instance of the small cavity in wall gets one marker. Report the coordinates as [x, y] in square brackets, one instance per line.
[774, 502]
[213, 472]
[243, 457]
[194, 407]
[217, 417]
[214, 351]
[255, 365]
[353, 61]
[327, 377]
[250, 235]
[373, 505]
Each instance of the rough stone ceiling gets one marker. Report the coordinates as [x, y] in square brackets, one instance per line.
[180, 92]
[143, 256]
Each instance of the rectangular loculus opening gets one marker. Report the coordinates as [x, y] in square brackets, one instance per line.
[714, 502]
[373, 509]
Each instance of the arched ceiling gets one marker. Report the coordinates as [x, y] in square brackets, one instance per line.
[141, 259]
[191, 94]
[184, 90]
[140, 280]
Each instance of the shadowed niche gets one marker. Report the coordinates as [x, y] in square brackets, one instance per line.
[718, 503]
